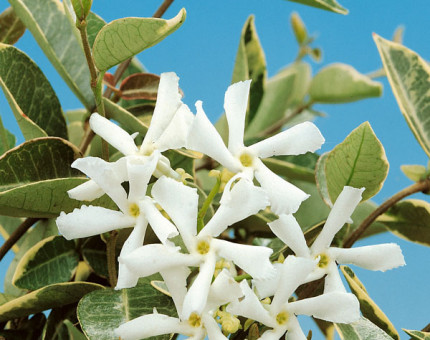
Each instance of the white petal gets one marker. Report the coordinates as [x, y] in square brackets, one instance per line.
[212, 328]
[168, 102]
[295, 332]
[89, 221]
[195, 299]
[297, 140]
[274, 334]
[203, 137]
[288, 231]
[175, 135]
[334, 307]
[161, 226]
[333, 281]
[175, 279]
[235, 208]
[342, 210]
[181, 204]
[87, 191]
[250, 307]
[224, 289]
[252, 259]
[152, 325]
[105, 176]
[265, 288]
[235, 105]
[140, 170]
[377, 257]
[113, 134]
[284, 196]
[293, 273]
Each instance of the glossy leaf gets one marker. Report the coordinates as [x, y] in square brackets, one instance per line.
[8, 142]
[140, 86]
[341, 83]
[328, 5]
[417, 335]
[414, 172]
[123, 38]
[100, 312]
[57, 37]
[359, 161]
[409, 219]
[368, 307]
[11, 27]
[31, 97]
[52, 260]
[94, 253]
[409, 77]
[48, 297]
[362, 329]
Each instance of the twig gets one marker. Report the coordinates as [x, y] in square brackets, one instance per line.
[162, 9]
[16, 235]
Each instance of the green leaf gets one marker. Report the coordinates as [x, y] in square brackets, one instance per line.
[409, 219]
[417, 335]
[123, 38]
[359, 161]
[368, 307]
[414, 172]
[409, 77]
[284, 92]
[31, 97]
[52, 260]
[57, 37]
[28, 329]
[94, 253]
[8, 142]
[35, 177]
[140, 86]
[341, 83]
[290, 170]
[362, 329]
[48, 297]
[102, 311]
[94, 25]
[7, 227]
[55, 328]
[328, 5]
[5, 298]
[82, 8]
[11, 27]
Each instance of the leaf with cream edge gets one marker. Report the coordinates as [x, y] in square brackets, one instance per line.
[123, 38]
[57, 37]
[409, 77]
[417, 335]
[37, 108]
[341, 83]
[328, 5]
[11, 27]
[362, 329]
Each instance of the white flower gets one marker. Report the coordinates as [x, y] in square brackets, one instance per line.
[375, 257]
[280, 315]
[203, 137]
[136, 209]
[223, 290]
[181, 204]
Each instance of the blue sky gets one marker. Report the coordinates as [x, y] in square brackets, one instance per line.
[202, 53]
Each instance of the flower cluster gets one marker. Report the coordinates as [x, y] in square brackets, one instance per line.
[215, 297]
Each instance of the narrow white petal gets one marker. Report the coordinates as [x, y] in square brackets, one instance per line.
[113, 134]
[333, 282]
[293, 273]
[284, 196]
[87, 191]
[295, 332]
[288, 231]
[175, 135]
[140, 170]
[181, 204]
[265, 288]
[175, 279]
[274, 334]
[342, 210]
[224, 289]
[334, 307]
[203, 137]
[250, 307]
[161, 226]
[235, 105]
[235, 208]
[195, 299]
[252, 259]
[168, 102]
[89, 221]
[152, 325]
[297, 140]
[212, 328]
[377, 257]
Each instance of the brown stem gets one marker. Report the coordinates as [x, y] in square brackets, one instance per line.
[421, 186]
[111, 257]
[16, 235]
[162, 9]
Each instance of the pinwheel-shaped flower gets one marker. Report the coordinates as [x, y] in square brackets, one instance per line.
[375, 257]
[284, 197]
[181, 204]
[280, 315]
[223, 290]
[168, 130]
[135, 208]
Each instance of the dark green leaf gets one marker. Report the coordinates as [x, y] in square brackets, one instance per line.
[94, 25]
[7, 227]
[9, 142]
[94, 253]
[54, 328]
[11, 27]
[290, 170]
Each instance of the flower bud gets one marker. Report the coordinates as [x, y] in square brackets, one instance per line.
[299, 28]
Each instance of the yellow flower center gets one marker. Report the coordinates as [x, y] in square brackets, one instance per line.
[324, 260]
[246, 159]
[203, 247]
[194, 320]
[134, 210]
[282, 318]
